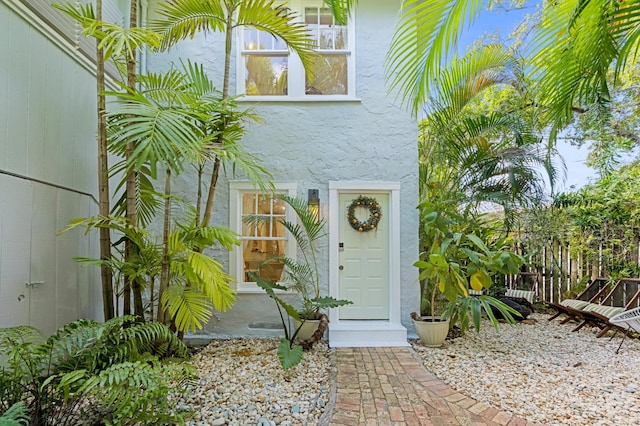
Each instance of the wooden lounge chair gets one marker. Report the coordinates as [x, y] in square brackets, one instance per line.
[524, 292]
[624, 296]
[596, 290]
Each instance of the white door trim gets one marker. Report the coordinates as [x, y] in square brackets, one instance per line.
[335, 216]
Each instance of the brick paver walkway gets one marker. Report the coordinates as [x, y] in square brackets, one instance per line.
[390, 386]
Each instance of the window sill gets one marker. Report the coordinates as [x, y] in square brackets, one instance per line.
[287, 99]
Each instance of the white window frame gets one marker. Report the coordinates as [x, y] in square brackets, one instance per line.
[236, 263]
[296, 74]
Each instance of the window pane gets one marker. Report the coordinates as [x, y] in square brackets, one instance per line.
[278, 230]
[266, 41]
[279, 44]
[264, 242]
[327, 35]
[311, 15]
[340, 38]
[248, 230]
[326, 18]
[330, 76]
[261, 40]
[264, 205]
[266, 75]
[279, 207]
[261, 262]
[249, 204]
[250, 39]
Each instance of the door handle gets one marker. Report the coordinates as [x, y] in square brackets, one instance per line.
[341, 267]
[31, 284]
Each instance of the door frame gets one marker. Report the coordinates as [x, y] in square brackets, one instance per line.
[335, 218]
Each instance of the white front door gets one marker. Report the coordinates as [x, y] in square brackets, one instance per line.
[363, 259]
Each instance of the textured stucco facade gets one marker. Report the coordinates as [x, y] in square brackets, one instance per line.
[367, 139]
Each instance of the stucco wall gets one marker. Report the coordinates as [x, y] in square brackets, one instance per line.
[312, 143]
[47, 156]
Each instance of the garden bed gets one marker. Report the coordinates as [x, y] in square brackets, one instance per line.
[240, 381]
[543, 372]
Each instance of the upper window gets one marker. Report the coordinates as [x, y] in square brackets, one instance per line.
[260, 243]
[269, 71]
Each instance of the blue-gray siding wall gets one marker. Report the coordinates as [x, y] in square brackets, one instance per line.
[47, 133]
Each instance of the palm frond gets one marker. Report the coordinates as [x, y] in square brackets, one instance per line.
[148, 202]
[16, 415]
[209, 276]
[574, 49]
[115, 40]
[160, 134]
[188, 307]
[280, 22]
[425, 34]
[341, 9]
[235, 157]
[183, 19]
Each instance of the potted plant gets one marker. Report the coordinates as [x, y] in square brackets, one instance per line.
[458, 259]
[306, 323]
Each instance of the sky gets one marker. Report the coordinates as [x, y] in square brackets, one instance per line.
[504, 22]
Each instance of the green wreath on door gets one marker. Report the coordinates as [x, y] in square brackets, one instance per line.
[375, 214]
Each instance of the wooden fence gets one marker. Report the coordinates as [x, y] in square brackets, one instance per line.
[555, 271]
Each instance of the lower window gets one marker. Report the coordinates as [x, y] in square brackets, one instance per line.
[261, 243]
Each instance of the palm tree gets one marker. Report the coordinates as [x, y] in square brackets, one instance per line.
[113, 42]
[576, 47]
[425, 35]
[170, 119]
[106, 274]
[181, 19]
[477, 154]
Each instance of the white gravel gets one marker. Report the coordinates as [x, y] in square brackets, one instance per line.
[544, 372]
[241, 383]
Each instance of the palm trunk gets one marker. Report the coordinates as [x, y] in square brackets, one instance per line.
[225, 94]
[152, 282]
[164, 271]
[212, 192]
[131, 176]
[138, 305]
[199, 198]
[106, 274]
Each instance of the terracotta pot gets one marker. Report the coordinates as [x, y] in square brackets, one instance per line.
[308, 328]
[432, 333]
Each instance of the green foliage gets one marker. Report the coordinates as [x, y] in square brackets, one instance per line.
[461, 254]
[197, 282]
[459, 311]
[576, 46]
[182, 19]
[600, 223]
[103, 371]
[422, 42]
[16, 415]
[301, 274]
[115, 40]
[289, 356]
[479, 147]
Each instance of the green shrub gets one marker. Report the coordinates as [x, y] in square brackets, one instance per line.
[103, 373]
